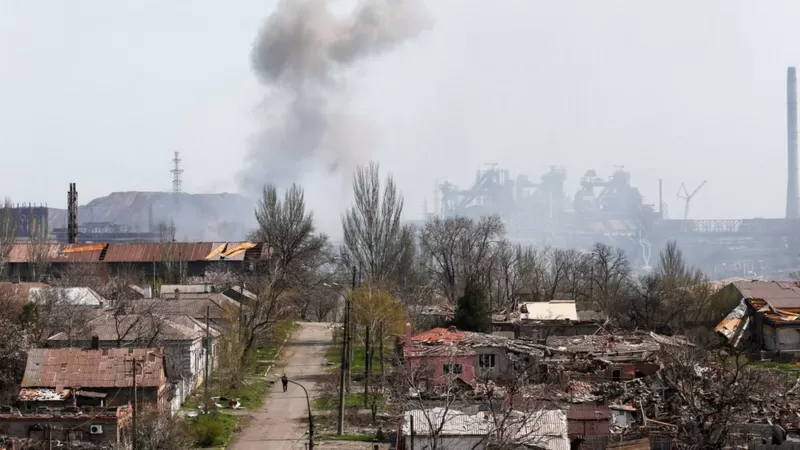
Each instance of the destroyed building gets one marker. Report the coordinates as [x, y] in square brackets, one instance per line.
[445, 353]
[766, 320]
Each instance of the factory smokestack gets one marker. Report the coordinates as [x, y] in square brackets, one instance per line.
[792, 189]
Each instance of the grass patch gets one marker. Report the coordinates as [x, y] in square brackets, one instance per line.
[212, 430]
[348, 437]
[785, 367]
[334, 354]
[352, 400]
[254, 388]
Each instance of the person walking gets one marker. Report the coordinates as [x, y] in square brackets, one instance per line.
[285, 382]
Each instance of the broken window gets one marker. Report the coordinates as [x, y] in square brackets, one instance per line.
[453, 369]
[486, 361]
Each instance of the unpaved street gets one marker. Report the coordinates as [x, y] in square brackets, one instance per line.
[279, 424]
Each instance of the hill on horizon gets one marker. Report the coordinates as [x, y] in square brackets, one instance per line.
[197, 217]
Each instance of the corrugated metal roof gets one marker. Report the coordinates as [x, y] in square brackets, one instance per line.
[148, 252]
[452, 422]
[542, 428]
[54, 252]
[776, 293]
[589, 412]
[106, 368]
[136, 252]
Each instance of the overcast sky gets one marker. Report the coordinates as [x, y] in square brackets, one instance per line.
[101, 93]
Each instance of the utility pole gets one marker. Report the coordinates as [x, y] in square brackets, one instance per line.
[366, 366]
[350, 328]
[208, 351]
[380, 353]
[133, 440]
[344, 369]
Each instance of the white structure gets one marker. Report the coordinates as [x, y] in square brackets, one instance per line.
[450, 429]
[552, 310]
[83, 296]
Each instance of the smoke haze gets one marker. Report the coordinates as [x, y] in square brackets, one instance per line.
[302, 56]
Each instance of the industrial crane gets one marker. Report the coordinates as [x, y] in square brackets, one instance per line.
[687, 197]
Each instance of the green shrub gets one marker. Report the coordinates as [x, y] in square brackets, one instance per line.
[210, 430]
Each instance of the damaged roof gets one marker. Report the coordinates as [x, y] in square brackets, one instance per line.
[546, 429]
[456, 342]
[604, 343]
[106, 368]
[779, 294]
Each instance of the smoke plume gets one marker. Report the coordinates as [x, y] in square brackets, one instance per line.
[302, 55]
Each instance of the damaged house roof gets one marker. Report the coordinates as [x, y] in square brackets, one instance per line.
[107, 368]
[605, 343]
[777, 294]
[456, 342]
[779, 301]
[545, 429]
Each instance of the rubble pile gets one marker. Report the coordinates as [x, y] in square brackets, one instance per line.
[19, 443]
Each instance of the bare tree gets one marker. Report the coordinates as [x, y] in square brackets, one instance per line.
[297, 253]
[8, 234]
[218, 275]
[711, 389]
[158, 429]
[674, 297]
[457, 249]
[610, 276]
[374, 239]
[13, 356]
[172, 261]
[52, 311]
[38, 250]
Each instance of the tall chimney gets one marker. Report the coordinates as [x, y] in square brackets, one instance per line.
[792, 188]
[72, 214]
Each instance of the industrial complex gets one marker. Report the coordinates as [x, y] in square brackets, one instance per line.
[607, 208]
[610, 210]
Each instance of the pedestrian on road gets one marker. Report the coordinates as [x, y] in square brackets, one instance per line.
[285, 382]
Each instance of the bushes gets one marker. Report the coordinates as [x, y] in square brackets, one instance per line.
[212, 430]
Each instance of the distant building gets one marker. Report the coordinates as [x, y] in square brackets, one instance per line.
[150, 259]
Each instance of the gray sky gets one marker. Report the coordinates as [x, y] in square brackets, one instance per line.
[101, 93]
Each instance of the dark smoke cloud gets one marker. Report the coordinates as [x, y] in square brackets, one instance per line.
[302, 55]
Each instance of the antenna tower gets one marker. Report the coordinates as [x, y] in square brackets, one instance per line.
[176, 174]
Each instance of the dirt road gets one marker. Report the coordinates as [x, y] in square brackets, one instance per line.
[279, 424]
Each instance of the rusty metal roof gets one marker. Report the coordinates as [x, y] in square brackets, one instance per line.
[54, 252]
[136, 252]
[589, 412]
[106, 368]
[778, 294]
[178, 251]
